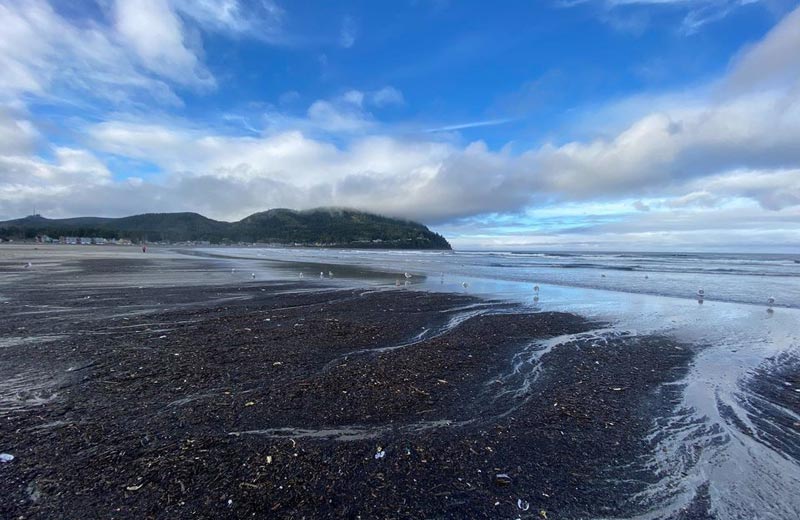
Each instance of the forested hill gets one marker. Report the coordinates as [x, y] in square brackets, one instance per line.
[327, 227]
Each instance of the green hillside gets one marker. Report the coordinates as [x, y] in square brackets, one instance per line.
[327, 227]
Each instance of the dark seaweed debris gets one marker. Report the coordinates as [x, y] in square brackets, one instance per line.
[255, 400]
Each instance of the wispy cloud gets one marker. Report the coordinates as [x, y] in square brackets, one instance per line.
[387, 96]
[697, 13]
[155, 34]
[261, 20]
[348, 32]
[60, 59]
[471, 124]
[143, 51]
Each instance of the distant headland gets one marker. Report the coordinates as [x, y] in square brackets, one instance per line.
[320, 227]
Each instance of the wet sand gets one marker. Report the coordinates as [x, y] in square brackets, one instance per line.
[164, 387]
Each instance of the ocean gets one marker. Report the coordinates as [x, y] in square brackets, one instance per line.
[742, 278]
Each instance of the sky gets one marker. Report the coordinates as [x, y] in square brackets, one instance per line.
[536, 124]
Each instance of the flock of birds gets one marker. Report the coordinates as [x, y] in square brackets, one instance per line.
[253, 275]
[701, 294]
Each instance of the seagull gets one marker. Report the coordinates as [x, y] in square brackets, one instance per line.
[233, 270]
[771, 300]
[301, 275]
[407, 275]
[253, 276]
[28, 265]
[646, 277]
[602, 276]
[701, 293]
[464, 285]
[321, 274]
[330, 274]
[535, 288]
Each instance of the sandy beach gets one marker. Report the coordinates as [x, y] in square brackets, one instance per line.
[163, 386]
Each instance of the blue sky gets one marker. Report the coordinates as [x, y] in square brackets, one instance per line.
[577, 124]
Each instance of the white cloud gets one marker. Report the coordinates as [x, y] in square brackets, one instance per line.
[697, 13]
[737, 225]
[289, 97]
[426, 179]
[43, 54]
[387, 96]
[138, 54]
[772, 62]
[260, 20]
[755, 131]
[354, 97]
[348, 32]
[377, 98]
[17, 135]
[772, 190]
[155, 33]
[470, 124]
[286, 156]
[27, 180]
[348, 113]
[328, 116]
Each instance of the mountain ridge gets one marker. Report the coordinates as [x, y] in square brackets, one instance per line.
[320, 227]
